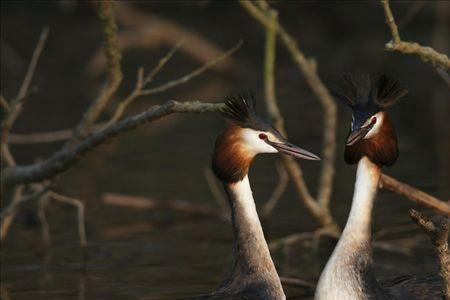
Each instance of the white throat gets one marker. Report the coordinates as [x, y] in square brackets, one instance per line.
[243, 198]
[343, 276]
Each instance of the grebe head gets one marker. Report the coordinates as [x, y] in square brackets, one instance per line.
[247, 136]
[371, 134]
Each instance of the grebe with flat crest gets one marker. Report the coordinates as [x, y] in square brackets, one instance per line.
[371, 144]
[253, 275]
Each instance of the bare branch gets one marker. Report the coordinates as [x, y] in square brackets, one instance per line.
[308, 67]
[114, 57]
[439, 237]
[64, 158]
[427, 54]
[64, 134]
[414, 194]
[140, 84]
[139, 90]
[15, 106]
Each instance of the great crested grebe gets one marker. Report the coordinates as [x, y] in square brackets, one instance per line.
[372, 144]
[253, 275]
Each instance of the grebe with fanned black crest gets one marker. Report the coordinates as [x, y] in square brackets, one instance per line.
[253, 274]
[371, 144]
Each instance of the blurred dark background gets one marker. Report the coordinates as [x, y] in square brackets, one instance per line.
[141, 254]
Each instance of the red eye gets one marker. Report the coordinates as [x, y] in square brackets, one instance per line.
[262, 136]
[374, 120]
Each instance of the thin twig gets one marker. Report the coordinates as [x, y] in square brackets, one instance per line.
[15, 106]
[140, 90]
[438, 235]
[114, 57]
[414, 194]
[162, 62]
[191, 75]
[140, 84]
[64, 158]
[427, 54]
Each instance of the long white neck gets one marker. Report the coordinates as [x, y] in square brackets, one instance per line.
[348, 273]
[366, 186]
[253, 264]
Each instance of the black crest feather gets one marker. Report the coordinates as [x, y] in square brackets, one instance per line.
[240, 108]
[359, 90]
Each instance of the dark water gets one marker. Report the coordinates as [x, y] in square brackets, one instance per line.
[144, 254]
